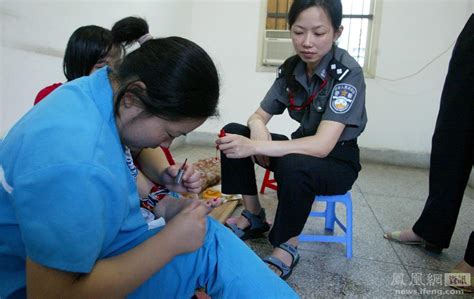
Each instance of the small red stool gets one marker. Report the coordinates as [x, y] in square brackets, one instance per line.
[268, 182]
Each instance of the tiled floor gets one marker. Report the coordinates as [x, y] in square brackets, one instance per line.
[385, 198]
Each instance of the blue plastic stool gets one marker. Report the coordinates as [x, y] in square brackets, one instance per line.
[330, 218]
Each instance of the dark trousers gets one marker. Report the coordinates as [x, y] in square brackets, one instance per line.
[452, 152]
[299, 178]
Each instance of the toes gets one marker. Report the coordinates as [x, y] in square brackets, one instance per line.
[275, 269]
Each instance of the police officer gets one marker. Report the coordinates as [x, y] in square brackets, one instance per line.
[323, 89]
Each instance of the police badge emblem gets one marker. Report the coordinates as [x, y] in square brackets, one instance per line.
[342, 97]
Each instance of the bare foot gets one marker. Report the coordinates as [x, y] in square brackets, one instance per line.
[284, 256]
[464, 267]
[242, 222]
[213, 203]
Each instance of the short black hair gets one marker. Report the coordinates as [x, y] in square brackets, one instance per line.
[86, 46]
[333, 8]
[181, 79]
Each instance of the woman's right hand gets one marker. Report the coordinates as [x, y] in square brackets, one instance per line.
[187, 229]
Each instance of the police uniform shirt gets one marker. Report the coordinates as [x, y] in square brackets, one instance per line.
[342, 99]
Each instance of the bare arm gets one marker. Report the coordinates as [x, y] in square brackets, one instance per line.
[114, 277]
[258, 119]
[118, 276]
[144, 185]
[319, 145]
[154, 163]
[257, 124]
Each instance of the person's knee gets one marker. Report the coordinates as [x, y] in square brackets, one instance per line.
[289, 168]
[235, 128]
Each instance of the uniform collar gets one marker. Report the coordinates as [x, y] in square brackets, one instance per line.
[320, 71]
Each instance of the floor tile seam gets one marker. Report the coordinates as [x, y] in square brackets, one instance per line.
[405, 266]
[383, 231]
[429, 269]
[394, 196]
[329, 256]
[409, 197]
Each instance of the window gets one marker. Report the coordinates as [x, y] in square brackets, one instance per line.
[356, 37]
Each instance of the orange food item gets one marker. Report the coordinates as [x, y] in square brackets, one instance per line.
[210, 193]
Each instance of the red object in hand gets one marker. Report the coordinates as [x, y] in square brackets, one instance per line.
[222, 133]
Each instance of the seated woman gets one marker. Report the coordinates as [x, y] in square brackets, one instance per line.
[70, 224]
[90, 48]
[323, 89]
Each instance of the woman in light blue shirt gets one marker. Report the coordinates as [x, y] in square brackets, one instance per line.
[70, 223]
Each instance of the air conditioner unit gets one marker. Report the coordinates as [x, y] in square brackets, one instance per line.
[277, 47]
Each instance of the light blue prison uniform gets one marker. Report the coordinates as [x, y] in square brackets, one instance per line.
[67, 199]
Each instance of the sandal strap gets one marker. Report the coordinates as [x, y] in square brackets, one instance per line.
[292, 250]
[256, 221]
[274, 261]
[236, 230]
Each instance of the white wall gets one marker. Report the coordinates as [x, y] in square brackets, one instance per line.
[401, 114]
[229, 31]
[36, 32]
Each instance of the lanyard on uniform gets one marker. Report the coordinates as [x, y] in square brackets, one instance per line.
[293, 106]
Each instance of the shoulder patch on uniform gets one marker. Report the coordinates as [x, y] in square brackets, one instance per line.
[342, 97]
[279, 72]
[337, 70]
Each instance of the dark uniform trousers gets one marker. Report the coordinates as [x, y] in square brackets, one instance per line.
[452, 152]
[299, 178]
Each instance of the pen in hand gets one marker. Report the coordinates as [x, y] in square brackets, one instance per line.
[179, 177]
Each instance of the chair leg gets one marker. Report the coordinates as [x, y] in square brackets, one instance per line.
[330, 215]
[349, 229]
[266, 177]
[330, 220]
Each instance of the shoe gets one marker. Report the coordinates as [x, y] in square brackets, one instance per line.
[396, 237]
[285, 270]
[258, 225]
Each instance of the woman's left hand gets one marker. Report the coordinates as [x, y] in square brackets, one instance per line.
[236, 146]
[191, 181]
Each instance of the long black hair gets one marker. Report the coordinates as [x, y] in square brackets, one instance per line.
[181, 79]
[86, 46]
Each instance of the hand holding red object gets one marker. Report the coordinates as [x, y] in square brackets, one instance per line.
[221, 134]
